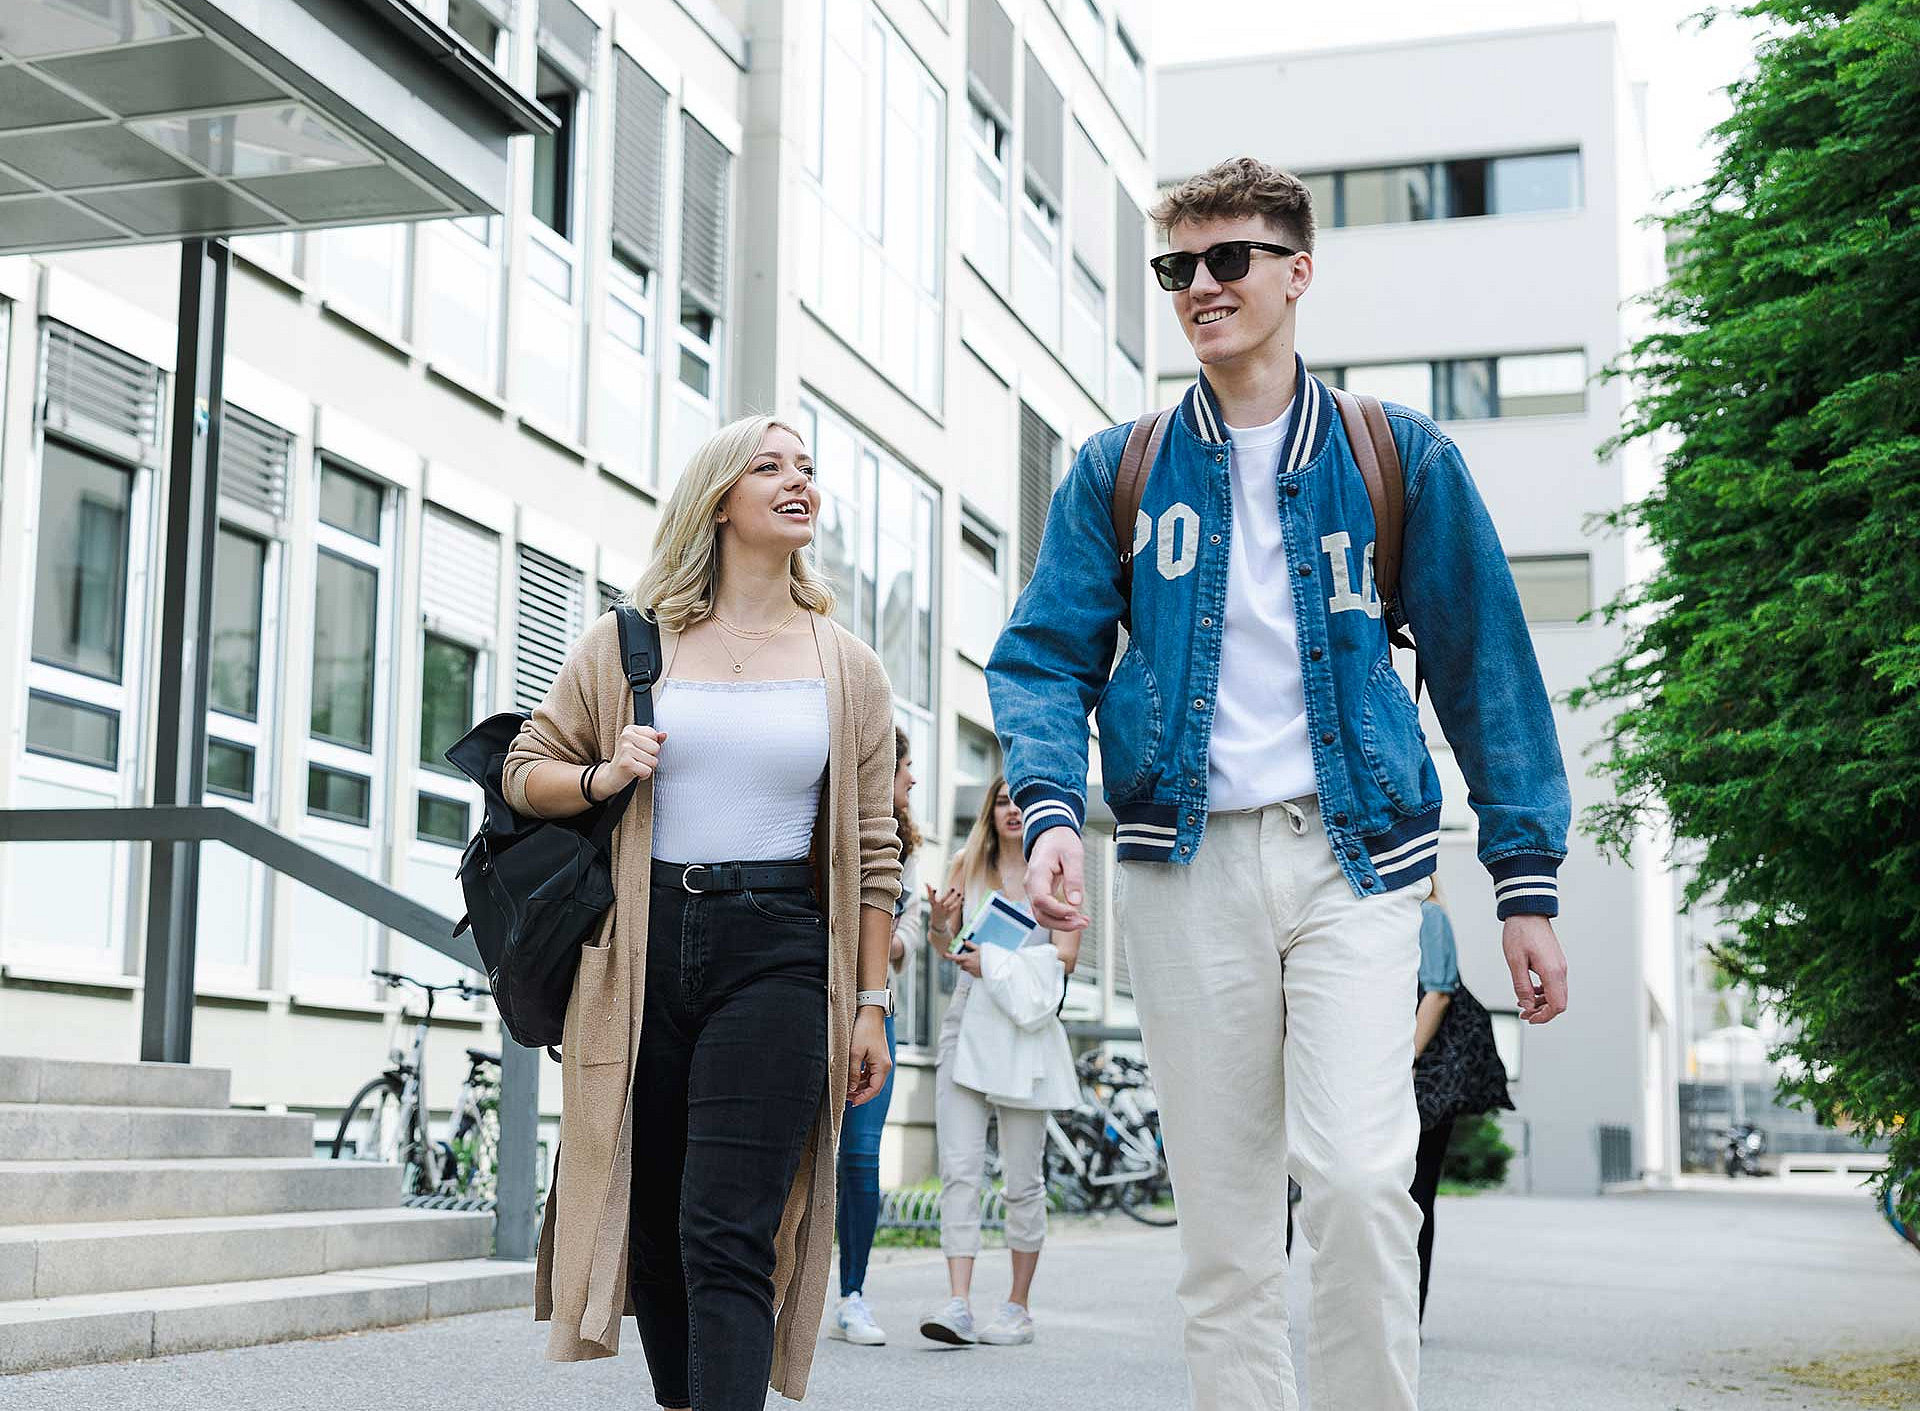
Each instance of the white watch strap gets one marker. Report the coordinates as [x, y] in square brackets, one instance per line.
[883, 999]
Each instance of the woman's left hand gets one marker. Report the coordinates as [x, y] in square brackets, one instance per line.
[869, 1065]
[969, 960]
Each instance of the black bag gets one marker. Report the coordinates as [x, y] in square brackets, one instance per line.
[1461, 1070]
[537, 887]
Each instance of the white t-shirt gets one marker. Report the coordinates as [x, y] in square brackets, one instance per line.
[1259, 753]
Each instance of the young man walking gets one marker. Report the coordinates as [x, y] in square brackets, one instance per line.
[1278, 816]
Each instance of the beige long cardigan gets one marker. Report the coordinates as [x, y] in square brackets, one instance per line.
[581, 1283]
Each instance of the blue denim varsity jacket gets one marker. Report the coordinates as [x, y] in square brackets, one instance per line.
[1378, 791]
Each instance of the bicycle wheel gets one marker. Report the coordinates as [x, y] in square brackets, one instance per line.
[378, 1104]
[477, 1151]
[1067, 1191]
[1150, 1199]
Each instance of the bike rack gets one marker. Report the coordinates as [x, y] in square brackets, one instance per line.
[917, 1208]
[167, 1023]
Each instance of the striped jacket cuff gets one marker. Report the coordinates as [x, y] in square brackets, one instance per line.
[1044, 806]
[1526, 884]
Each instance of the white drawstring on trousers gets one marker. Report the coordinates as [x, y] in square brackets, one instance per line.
[1296, 819]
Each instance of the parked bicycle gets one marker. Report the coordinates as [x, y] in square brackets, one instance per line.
[391, 1118]
[1109, 1148]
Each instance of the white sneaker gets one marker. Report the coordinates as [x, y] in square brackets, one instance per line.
[952, 1325]
[854, 1323]
[1013, 1328]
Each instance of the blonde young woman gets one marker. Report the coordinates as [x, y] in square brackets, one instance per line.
[735, 1001]
[991, 861]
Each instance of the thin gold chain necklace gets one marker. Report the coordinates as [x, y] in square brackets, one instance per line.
[740, 663]
[772, 631]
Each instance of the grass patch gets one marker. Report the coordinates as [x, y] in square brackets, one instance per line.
[1870, 1381]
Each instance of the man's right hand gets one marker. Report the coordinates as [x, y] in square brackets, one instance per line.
[1055, 888]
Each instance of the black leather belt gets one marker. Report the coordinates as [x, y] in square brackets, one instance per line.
[704, 878]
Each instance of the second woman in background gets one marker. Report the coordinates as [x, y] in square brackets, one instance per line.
[860, 1130]
[992, 860]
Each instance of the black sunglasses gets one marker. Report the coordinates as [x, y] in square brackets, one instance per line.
[1226, 262]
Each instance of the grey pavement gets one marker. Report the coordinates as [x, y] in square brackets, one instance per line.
[1678, 1301]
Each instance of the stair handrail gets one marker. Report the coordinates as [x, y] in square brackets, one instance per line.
[211, 823]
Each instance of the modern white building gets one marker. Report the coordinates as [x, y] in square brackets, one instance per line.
[1478, 200]
[913, 224]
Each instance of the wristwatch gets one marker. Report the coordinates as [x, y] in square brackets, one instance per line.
[881, 999]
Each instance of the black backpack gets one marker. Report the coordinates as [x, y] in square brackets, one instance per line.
[537, 887]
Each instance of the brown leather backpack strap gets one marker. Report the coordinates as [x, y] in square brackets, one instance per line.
[1371, 439]
[1129, 488]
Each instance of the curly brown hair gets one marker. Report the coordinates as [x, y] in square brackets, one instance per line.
[909, 830]
[1237, 187]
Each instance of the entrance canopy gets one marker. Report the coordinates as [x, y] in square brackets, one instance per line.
[132, 121]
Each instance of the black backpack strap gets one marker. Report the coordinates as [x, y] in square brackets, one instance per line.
[640, 657]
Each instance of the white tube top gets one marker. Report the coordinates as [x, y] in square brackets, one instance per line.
[740, 771]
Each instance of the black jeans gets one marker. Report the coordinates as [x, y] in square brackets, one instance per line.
[733, 1064]
[1426, 1184]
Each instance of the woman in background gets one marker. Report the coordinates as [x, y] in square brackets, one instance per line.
[1439, 978]
[991, 861]
[860, 1130]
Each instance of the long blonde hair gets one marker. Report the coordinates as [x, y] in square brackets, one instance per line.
[979, 860]
[679, 584]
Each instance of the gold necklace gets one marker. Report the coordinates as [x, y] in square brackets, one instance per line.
[740, 663]
[773, 631]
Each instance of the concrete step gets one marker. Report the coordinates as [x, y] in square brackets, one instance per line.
[116, 1327]
[61, 1192]
[46, 1131]
[62, 1080]
[56, 1261]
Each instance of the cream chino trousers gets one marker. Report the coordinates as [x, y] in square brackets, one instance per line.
[1277, 1010]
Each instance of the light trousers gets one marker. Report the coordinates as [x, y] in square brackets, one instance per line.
[1277, 1010]
[961, 1117]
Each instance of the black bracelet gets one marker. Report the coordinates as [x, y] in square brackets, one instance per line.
[586, 781]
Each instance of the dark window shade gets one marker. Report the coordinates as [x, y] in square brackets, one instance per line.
[1046, 135]
[254, 459]
[1039, 453]
[639, 162]
[990, 60]
[551, 597]
[703, 219]
[1130, 274]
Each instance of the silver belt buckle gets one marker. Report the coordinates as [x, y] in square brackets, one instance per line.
[686, 878]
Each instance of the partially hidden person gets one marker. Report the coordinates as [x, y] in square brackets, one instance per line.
[858, 1215]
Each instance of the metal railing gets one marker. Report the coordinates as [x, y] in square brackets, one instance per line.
[519, 1067]
[1616, 1154]
[918, 1208]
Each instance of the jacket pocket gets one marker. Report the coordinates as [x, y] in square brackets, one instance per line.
[594, 1032]
[1130, 725]
[1393, 743]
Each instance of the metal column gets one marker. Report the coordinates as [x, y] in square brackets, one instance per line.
[186, 624]
[515, 1190]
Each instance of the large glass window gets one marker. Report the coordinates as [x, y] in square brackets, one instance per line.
[553, 154]
[1553, 587]
[1547, 182]
[73, 730]
[1388, 195]
[1410, 384]
[873, 221]
[983, 588]
[1541, 384]
[80, 577]
[239, 571]
[1468, 186]
[447, 672]
[476, 24]
[876, 542]
[345, 625]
